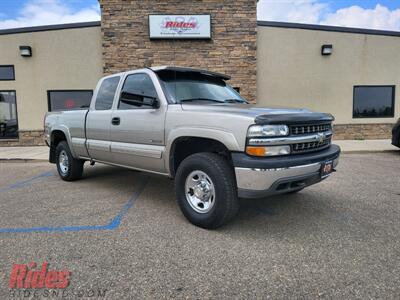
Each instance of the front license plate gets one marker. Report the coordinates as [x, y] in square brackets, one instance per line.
[326, 169]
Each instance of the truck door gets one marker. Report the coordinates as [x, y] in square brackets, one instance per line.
[99, 120]
[137, 133]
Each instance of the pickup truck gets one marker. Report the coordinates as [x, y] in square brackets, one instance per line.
[192, 126]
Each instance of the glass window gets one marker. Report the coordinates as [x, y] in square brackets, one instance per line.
[373, 102]
[8, 115]
[138, 90]
[69, 100]
[192, 86]
[7, 73]
[105, 96]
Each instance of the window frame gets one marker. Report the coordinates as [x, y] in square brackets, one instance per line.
[376, 86]
[49, 101]
[16, 116]
[13, 68]
[122, 89]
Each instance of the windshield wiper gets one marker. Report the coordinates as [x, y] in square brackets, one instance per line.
[201, 99]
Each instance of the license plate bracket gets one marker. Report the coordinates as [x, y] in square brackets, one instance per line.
[326, 168]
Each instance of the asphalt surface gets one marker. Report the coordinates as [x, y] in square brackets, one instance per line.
[121, 231]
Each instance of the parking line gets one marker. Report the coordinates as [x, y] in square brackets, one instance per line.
[26, 182]
[113, 224]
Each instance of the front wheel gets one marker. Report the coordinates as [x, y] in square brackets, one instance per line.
[206, 190]
[68, 167]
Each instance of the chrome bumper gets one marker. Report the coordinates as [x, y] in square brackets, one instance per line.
[255, 183]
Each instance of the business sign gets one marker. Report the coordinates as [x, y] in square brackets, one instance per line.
[180, 26]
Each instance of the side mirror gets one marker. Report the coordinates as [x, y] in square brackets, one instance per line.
[139, 100]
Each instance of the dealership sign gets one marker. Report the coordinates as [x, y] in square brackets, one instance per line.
[180, 26]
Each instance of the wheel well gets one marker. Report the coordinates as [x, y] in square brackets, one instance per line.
[186, 146]
[56, 137]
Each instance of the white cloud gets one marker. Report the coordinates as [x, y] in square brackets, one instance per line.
[314, 12]
[296, 11]
[378, 18]
[46, 12]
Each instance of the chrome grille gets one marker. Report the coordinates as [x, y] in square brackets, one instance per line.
[309, 128]
[308, 147]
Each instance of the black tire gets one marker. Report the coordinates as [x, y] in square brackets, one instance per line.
[74, 166]
[226, 203]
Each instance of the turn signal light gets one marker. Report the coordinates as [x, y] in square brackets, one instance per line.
[268, 151]
[255, 151]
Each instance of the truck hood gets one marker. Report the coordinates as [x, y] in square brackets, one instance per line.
[263, 115]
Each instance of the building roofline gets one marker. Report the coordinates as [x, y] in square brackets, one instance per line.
[49, 27]
[328, 28]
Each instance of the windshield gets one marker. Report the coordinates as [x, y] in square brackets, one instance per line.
[188, 87]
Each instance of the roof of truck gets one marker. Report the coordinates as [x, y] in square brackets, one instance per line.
[184, 69]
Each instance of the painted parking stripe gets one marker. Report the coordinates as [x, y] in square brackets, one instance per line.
[113, 224]
[26, 182]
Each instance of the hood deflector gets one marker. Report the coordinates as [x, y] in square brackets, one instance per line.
[290, 119]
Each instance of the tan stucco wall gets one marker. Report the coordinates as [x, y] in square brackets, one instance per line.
[292, 72]
[62, 59]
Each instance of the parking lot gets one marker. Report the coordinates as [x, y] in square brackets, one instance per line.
[121, 231]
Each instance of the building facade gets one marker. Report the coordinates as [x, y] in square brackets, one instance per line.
[351, 73]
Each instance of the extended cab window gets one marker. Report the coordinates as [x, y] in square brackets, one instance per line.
[105, 96]
[138, 92]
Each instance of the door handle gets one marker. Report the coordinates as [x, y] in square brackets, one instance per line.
[116, 121]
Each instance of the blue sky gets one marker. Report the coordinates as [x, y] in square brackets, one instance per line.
[376, 14]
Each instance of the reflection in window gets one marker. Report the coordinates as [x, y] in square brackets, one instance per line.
[8, 115]
[373, 102]
[105, 95]
[69, 100]
[7, 73]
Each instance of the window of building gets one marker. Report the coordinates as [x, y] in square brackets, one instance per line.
[69, 100]
[137, 89]
[8, 115]
[105, 96]
[373, 102]
[7, 73]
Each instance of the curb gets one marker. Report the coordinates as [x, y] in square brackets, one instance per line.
[21, 160]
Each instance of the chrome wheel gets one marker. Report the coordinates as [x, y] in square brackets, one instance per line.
[200, 192]
[63, 162]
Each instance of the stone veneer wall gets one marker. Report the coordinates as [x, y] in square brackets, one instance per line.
[362, 131]
[231, 50]
[26, 138]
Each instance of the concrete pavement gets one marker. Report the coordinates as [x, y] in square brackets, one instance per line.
[348, 146]
[338, 239]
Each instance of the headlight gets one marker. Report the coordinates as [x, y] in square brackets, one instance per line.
[268, 151]
[267, 131]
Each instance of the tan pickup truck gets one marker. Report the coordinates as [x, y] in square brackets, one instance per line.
[192, 126]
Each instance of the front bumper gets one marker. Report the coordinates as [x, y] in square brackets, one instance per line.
[261, 177]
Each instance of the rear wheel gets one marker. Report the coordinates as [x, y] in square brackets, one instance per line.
[68, 167]
[206, 190]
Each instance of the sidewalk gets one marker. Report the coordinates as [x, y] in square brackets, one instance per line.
[348, 146]
[359, 146]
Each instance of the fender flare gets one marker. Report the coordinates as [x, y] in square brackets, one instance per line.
[225, 137]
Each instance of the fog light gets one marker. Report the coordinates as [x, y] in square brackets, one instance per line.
[268, 151]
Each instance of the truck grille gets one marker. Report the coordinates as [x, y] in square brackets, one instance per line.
[297, 130]
[308, 147]
[305, 129]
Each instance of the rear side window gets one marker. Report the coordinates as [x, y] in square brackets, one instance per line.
[105, 96]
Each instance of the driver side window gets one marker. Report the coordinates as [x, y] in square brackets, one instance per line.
[138, 92]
